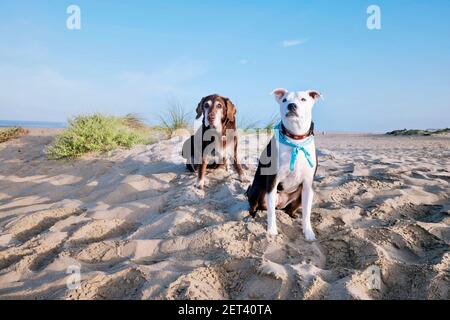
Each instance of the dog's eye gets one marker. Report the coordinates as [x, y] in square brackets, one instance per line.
[284, 100]
[219, 106]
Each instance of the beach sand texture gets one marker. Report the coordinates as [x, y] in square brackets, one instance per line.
[137, 227]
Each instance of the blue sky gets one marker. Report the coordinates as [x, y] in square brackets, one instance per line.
[138, 56]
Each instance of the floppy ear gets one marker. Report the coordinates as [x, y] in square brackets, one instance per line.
[279, 93]
[315, 94]
[231, 110]
[199, 109]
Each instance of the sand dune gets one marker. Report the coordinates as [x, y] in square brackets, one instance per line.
[137, 227]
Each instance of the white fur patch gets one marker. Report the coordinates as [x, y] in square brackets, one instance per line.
[301, 123]
[209, 103]
[298, 124]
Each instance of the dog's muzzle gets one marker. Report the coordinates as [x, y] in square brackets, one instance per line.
[292, 110]
[291, 114]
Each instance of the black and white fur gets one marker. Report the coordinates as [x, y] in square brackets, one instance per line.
[275, 186]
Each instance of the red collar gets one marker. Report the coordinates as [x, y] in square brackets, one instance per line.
[295, 136]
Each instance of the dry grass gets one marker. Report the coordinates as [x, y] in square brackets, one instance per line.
[12, 133]
[134, 121]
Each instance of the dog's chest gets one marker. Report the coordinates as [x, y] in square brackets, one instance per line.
[221, 150]
[302, 172]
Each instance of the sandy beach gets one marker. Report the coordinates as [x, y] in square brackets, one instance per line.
[136, 226]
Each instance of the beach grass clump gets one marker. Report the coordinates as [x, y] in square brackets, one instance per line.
[134, 121]
[176, 118]
[246, 125]
[98, 133]
[12, 133]
[273, 121]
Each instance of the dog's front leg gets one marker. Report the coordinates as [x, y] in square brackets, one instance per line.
[238, 168]
[224, 163]
[201, 174]
[307, 200]
[271, 200]
[237, 164]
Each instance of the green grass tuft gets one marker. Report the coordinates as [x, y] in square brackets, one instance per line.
[175, 118]
[98, 133]
[12, 133]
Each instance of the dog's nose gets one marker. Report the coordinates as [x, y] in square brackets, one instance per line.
[292, 107]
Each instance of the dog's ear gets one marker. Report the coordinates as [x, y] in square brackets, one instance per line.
[199, 109]
[315, 94]
[231, 110]
[279, 93]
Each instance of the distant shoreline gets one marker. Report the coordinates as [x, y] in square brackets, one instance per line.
[32, 124]
[62, 125]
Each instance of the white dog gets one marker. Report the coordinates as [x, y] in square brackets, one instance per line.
[286, 170]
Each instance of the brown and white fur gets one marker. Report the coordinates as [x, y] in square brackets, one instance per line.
[211, 145]
[274, 185]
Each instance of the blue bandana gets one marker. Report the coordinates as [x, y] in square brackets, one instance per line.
[296, 148]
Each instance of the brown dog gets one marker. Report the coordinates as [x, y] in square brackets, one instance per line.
[211, 144]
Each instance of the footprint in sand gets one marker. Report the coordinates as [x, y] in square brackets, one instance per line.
[121, 285]
[34, 254]
[99, 230]
[36, 223]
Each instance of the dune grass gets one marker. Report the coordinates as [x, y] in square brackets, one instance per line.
[98, 133]
[246, 125]
[134, 121]
[175, 118]
[12, 133]
[273, 121]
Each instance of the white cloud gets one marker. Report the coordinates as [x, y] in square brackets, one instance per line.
[292, 43]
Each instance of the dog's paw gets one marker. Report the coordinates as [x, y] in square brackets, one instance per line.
[200, 184]
[272, 232]
[248, 218]
[309, 235]
[243, 178]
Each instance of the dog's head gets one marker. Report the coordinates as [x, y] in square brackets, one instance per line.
[296, 109]
[217, 111]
